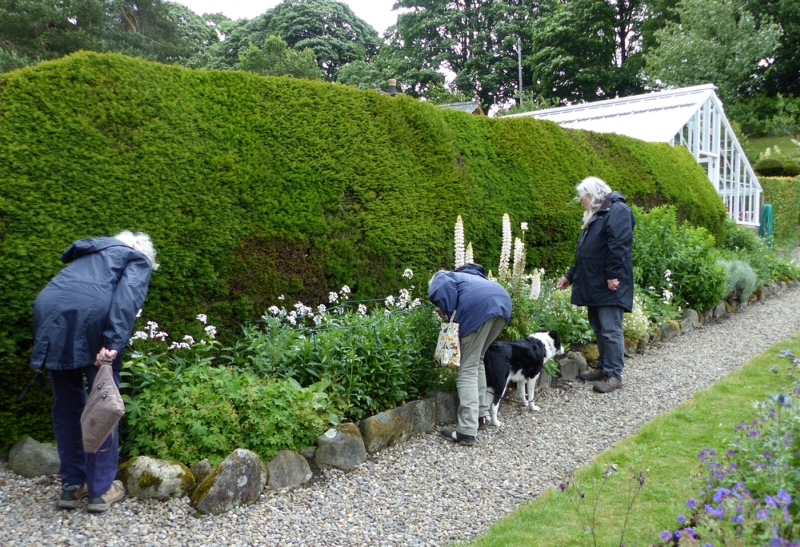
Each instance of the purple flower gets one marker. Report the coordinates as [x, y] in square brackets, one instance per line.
[731, 452]
[785, 498]
[681, 518]
[762, 514]
[767, 455]
[641, 478]
[738, 519]
[692, 503]
[690, 532]
[708, 545]
[769, 500]
[714, 511]
[721, 494]
[562, 486]
[754, 433]
[666, 535]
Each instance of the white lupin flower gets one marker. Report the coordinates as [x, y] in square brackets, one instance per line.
[458, 236]
[468, 255]
[523, 226]
[505, 250]
[519, 262]
[202, 318]
[536, 285]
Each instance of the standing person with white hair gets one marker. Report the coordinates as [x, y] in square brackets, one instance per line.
[602, 276]
[84, 315]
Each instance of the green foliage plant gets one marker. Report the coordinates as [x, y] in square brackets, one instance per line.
[275, 58]
[183, 403]
[688, 252]
[740, 280]
[769, 167]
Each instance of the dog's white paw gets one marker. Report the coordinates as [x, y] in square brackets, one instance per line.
[535, 408]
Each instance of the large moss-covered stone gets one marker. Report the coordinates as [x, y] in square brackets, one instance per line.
[237, 480]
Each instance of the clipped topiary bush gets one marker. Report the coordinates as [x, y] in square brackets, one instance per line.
[791, 169]
[254, 187]
[769, 167]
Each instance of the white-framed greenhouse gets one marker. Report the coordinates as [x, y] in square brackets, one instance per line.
[692, 117]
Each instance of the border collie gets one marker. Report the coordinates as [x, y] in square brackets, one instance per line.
[520, 361]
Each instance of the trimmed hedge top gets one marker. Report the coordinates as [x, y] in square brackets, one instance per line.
[252, 187]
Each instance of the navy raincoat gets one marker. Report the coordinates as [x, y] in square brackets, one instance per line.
[476, 298]
[603, 253]
[91, 304]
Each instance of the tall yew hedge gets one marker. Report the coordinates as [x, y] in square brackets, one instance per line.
[253, 187]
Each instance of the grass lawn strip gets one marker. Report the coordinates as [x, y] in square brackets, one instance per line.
[665, 450]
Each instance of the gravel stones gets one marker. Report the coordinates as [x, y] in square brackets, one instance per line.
[425, 491]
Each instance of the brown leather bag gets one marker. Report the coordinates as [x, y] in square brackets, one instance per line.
[103, 409]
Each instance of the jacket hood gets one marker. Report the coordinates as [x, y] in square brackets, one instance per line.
[611, 199]
[88, 246]
[474, 269]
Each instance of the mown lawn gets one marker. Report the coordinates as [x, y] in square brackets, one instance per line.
[665, 451]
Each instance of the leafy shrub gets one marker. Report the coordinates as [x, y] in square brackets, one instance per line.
[187, 410]
[750, 492]
[636, 324]
[769, 167]
[688, 252]
[740, 280]
[373, 361]
[739, 238]
[791, 169]
[553, 310]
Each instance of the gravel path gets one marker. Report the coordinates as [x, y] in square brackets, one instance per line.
[425, 492]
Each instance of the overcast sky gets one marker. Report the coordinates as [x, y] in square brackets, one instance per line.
[377, 13]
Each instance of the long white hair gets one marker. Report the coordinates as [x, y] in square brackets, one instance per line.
[140, 242]
[598, 189]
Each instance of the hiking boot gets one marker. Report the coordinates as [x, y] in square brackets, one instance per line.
[72, 496]
[483, 423]
[456, 437]
[608, 385]
[101, 504]
[593, 375]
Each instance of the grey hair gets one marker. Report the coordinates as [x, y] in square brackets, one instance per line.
[140, 242]
[598, 189]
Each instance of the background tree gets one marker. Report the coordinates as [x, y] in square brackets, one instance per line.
[586, 50]
[716, 41]
[476, 40]
[35, 30]
[277, 59]
[784, 77]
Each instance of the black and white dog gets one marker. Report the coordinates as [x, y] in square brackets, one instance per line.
[520, 361]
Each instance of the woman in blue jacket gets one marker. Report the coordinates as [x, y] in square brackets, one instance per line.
[84, 315]
[482, 308]
[602, 276]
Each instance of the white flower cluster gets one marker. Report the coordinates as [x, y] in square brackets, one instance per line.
[505, 250]
[666, 293]
[636, 324]
[458, 237]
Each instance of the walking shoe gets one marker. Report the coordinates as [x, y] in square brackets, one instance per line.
[593, 375]
[456, 437]
[608, 385]
[101, 504]
[483, 423]
[71, 496]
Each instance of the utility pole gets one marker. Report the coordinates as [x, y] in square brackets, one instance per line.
[519, 63]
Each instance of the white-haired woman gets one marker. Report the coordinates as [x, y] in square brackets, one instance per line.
[85, 314]
[602, 276]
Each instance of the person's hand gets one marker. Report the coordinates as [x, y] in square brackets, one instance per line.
[104, 353]
[613, 284]
[563, 283]
[439, 313]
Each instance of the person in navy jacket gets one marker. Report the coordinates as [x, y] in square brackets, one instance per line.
[83, 316]
[602, 276]
[482, 308]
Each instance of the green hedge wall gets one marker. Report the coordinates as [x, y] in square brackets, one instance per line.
[784, 196]
[252, 187]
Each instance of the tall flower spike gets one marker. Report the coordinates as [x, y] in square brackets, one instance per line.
[459, 242]
[519, 264]
[536, 285]
[505, 250]
[468, 255]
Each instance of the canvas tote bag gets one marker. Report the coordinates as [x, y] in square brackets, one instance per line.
[448, 347]
[103, 409]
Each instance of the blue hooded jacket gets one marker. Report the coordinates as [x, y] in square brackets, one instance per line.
[476, 298]
[89, 305]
